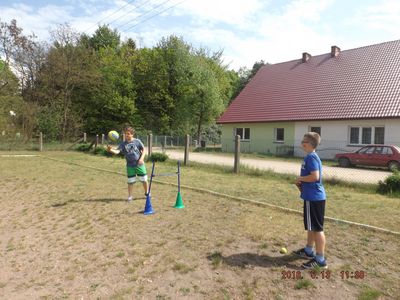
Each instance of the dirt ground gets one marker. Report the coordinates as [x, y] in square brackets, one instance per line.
[67, 232]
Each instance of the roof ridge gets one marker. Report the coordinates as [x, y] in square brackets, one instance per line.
[328, 53]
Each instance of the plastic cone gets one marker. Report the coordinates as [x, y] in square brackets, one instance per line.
[148, 209]
[179, 202]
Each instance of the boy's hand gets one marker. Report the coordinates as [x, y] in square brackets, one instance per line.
[298, 184]
[109, 149]
[140, 162]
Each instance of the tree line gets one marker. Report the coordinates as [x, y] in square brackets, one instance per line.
[93, 83]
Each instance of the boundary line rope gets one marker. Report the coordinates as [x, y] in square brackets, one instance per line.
[240, 199]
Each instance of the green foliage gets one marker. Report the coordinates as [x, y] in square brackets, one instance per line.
[49, 119]
[83, 147]
[368, 293]
[157, 157]
[391, 185]
[304, 284]
[101, 151]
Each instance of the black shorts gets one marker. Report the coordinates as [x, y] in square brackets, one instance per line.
[314, 213]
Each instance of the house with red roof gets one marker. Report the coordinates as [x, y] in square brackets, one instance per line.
[350, 97]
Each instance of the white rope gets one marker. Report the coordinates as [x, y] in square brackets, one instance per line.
[242, 199]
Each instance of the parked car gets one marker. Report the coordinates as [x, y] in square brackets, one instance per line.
[372, 155]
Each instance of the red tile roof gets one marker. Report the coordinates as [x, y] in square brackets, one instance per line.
[361, 83]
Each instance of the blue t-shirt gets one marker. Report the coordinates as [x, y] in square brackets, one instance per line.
[312, 191]
[132, 151]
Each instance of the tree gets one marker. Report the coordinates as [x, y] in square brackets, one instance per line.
[245, 75]
[105, 37]
[68, 67]
[10, 99]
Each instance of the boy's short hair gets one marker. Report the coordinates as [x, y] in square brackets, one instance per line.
[313, 138]
[129, 129]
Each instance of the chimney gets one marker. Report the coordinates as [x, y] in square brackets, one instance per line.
[335, 50]
[306, 57]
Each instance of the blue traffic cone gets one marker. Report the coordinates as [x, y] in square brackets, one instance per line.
[148, 209]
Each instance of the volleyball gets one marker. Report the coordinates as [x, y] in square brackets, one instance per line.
[113, 135]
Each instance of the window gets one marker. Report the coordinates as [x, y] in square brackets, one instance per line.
[279, 134]
[379, 135]
[367, 150]
[244, 133]
[316, 129]
[354, 135]
[367, 135]
[387, 151]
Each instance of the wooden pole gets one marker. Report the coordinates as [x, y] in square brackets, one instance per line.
[41, 142]
[84, 137]
[102, 138]
[237, 156]
[149, 144]
[97, 140]
[186, 158]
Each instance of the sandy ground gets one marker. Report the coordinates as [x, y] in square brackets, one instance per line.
[67, 232]
[347, 174]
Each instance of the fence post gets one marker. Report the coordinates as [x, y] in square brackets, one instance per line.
[186, 158]
[237, 156]
[149, 144]
[97, 140]
[40, 141]
[102, 138]
[84, 137]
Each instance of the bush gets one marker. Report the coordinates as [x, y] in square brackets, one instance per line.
[101, 151]
[157, 156]
[83, 147]
[391, 185]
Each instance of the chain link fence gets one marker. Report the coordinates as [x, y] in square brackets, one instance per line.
[278, 156]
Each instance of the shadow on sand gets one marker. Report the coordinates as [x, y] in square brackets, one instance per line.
[244, 260]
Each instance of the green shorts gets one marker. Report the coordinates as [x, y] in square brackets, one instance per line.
[139, 171]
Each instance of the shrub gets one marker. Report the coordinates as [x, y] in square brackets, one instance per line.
[83, 147]
[391, 185]
[157, 156]
[101, 151]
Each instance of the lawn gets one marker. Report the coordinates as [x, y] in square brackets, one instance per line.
[66, 231]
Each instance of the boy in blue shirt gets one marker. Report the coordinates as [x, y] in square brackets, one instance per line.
[313, 193]
[133, 150]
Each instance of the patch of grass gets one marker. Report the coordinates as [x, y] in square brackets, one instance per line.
[216, 259]
[369, 293]
[120, 254]
[182, 268]
[121, 293]
[304, 284]
[185, 291]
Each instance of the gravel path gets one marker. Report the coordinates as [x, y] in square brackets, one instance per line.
[347, 174]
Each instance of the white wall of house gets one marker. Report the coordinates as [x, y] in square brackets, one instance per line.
[335, 135]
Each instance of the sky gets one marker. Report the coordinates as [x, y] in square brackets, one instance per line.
[246, 31]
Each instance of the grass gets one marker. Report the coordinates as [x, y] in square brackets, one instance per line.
[304, 284]
[71, 234]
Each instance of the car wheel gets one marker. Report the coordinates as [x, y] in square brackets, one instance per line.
[393, 166]
[344, 162]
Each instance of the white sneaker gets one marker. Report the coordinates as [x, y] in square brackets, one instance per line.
[130, 198]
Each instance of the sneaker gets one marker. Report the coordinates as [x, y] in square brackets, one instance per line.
[130, 198]
[303, 254]
[314, 264]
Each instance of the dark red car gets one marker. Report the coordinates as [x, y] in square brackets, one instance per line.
[372, 155]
